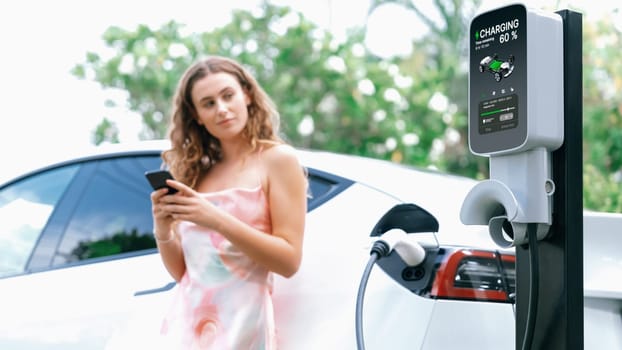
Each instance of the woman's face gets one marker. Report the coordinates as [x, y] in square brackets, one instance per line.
[221, 105]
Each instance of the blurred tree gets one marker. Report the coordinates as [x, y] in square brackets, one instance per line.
[338, 96]
[146, 64]
[445, 45]
[332, 95]
[602, 121]
[106, 131]
[439, 64]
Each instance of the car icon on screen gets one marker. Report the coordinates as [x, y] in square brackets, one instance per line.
[499, 69]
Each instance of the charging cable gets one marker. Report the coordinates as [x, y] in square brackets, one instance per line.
[534, 285]
[411, 252]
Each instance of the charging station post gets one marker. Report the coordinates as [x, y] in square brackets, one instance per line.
[559, 323]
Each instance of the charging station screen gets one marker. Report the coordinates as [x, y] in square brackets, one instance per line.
[497, 79]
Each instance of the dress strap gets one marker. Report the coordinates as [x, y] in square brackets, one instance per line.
[260, 167]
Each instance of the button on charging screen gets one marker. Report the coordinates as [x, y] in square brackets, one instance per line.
[498, 114]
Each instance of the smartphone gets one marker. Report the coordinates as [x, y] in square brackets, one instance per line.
[157, 179]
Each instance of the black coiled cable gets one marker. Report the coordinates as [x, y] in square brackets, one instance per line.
[534, 285]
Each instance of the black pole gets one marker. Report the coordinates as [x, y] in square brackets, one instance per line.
[559, 324]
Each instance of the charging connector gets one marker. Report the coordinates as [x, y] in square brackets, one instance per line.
[411, 252]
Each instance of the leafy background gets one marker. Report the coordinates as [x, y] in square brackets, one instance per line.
[336, 95]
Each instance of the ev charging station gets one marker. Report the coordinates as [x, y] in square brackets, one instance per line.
[525, 114]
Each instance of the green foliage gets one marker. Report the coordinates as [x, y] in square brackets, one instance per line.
[146, 66]
[601, 192]
[438, 65]
[602, 121]
[337, 96]
[331, 95]
[106, 131]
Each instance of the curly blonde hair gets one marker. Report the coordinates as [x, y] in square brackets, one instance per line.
[193, 149]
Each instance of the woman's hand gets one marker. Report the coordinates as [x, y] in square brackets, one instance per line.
[188, 205]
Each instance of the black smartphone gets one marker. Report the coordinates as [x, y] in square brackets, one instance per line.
[157, 179]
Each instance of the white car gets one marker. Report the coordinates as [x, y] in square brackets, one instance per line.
[79, 268]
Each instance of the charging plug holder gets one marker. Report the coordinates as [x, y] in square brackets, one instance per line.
[519, 192]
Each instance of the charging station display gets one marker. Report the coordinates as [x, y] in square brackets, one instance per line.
[498, 80]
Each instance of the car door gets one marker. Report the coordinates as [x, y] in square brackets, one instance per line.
[315, 309]
[75, 287]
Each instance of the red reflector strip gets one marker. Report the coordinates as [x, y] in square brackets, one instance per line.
[444, 283]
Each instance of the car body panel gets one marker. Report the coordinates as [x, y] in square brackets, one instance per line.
[602, 268]
[316, 307]
[75, 307]
[470, 325]
[440, 194]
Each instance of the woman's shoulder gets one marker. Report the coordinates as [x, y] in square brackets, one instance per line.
[283, 167]
[275, 154]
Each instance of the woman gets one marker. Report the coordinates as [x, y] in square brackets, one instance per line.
[239, 214]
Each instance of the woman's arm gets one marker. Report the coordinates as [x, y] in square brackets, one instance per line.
[168, 243]
[280, 252]
[172, 255]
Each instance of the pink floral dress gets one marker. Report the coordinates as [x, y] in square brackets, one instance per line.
[224, 300]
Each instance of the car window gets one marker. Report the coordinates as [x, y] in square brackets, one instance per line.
[25, 207]
[113, 214]
[323, 186]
